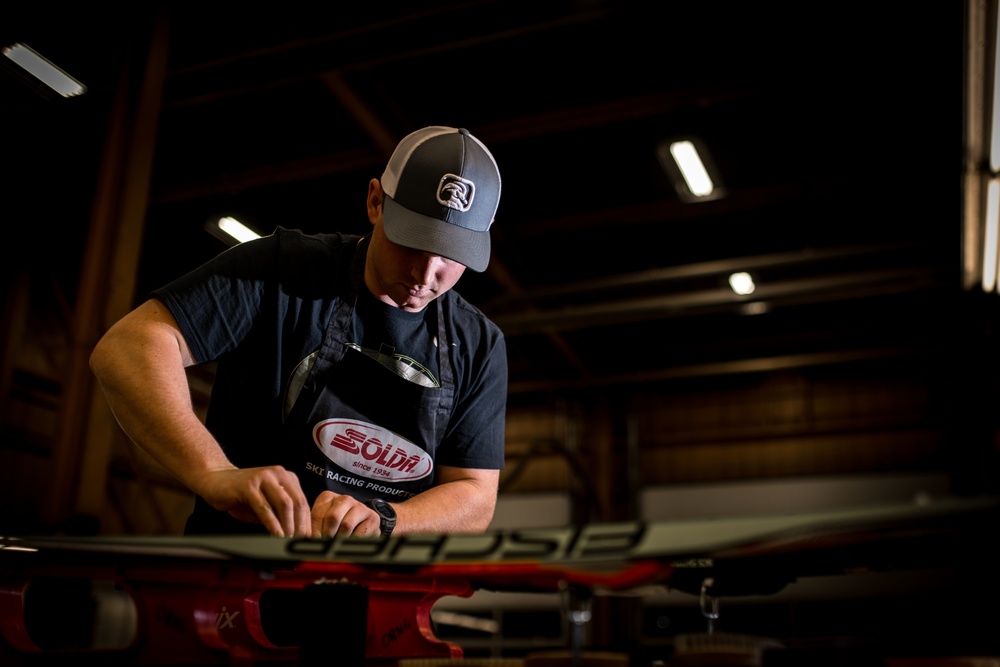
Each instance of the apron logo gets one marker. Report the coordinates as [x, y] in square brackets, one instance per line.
[371, 451]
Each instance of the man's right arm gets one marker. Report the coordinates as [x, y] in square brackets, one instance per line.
[140, 364]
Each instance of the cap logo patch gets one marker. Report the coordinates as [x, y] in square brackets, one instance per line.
[456, 192]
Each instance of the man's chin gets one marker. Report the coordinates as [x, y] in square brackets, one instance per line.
[408, 301]
[412, 305]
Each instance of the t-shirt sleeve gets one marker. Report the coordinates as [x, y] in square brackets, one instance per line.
[215, 304]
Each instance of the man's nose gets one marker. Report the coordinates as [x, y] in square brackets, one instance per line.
[424, 266]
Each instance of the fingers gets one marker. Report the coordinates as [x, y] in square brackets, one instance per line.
[336, 515]
[283, 508]
[273, 497]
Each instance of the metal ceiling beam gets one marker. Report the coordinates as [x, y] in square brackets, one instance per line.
[859, 285]
[740, 366]
[721, 267]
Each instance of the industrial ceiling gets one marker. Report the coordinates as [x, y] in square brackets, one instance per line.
[837, 135]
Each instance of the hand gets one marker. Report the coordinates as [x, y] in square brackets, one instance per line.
[335, 514]
[271, 496]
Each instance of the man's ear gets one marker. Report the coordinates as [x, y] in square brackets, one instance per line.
[375, 195]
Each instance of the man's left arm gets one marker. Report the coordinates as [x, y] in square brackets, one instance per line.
[461, 501]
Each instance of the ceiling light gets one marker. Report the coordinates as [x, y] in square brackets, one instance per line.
[44, 70]
[991, 235]
[994, 147]
[230, 230]
[991, 246]
[687, 162]
[742, 283]
[692, 168]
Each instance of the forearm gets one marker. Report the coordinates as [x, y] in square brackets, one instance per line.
[140, 368]
[164, 426]
[462, 502]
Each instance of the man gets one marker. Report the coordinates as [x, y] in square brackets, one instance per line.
[355, 392]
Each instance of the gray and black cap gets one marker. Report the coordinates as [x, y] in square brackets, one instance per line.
[442, 189]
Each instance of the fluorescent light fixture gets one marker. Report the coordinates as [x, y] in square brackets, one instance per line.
[237, 229]
[692, 168]
[991, 233]
[686, 160]
[995, 129]
[991, 247]
[230, 230]
[44, 70]
[742, 283]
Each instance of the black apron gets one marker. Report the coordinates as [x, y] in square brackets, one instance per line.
[359, 428]
[356, 427]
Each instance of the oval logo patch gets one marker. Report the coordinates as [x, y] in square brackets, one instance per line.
[371, 451]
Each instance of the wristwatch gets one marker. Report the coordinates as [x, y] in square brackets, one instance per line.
[386, 515]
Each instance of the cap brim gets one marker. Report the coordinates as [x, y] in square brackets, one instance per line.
[413, 230]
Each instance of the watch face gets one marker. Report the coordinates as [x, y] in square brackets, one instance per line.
[387, 515]
[383, 508]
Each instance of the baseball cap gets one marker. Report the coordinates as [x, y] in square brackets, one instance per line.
[442, 190]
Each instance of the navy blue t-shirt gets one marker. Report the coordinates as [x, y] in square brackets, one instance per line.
[261, 307]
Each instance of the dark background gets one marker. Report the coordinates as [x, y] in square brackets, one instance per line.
[838, 137]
